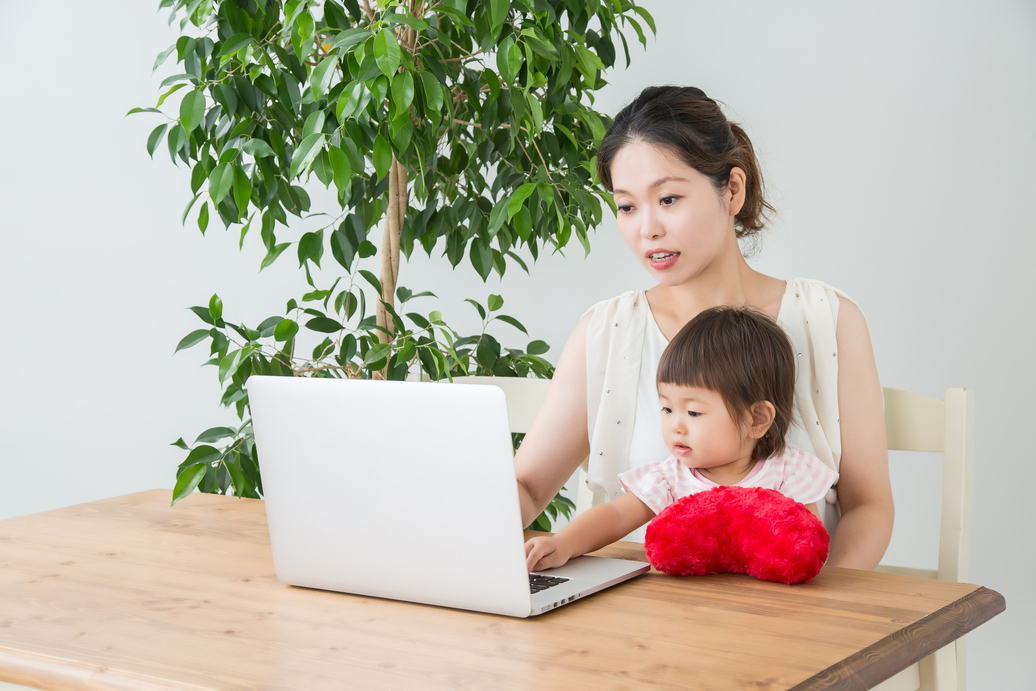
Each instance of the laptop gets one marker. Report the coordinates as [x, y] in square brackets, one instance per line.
[404, 490]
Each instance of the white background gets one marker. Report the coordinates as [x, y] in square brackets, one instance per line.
[897, 141]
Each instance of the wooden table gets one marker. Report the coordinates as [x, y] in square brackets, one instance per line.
[128, 593]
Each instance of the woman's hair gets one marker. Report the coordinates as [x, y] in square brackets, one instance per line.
[691, 126]
[744, 357]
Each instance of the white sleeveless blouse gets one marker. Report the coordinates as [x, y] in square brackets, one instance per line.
[623, 346]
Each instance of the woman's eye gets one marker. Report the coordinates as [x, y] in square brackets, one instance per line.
[625, 208]
[667, 201]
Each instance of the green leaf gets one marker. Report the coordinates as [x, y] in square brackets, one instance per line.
[201, 455]
[273, 253]
[267, 326]
[214, 434]
[433, 97]
[234, 44]
[314, 123]
[306, 152]
[242, 190]
[402, 92]
[192, 110]
[257, 148]
[154, 138]
[215, 308]
[411, 21]
[188, 481]
[162, 57]
[372, 279]
[647, 17]
[382, 156]
[167, 94]
[341, 168]
[221, 179]
[230, 363]
[311, 246]
[285, 330]
[537, 348]
[181, 443]
[379, 352]
[191, 339]
[494, 303]
[513, 322]
[481, 257]
[323, 325]
[518, 198]
[481, 310]
[498, 13]
[503, 63]
[322, 74]
[386, 52]
[203, 217]
[242, 486]
[349, 39]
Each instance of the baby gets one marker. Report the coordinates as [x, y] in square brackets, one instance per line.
[726, 384]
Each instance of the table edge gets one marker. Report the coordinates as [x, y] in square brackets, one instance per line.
[41, 671]
[894, 653]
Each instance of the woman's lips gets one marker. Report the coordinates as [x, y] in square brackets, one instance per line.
[662, 259]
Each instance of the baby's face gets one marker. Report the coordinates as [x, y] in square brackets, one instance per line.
[698, 429]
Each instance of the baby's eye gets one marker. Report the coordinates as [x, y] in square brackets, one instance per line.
[667, 411]
[692, 413]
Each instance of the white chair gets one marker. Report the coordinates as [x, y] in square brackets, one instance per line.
[915, 422]
[524, 397]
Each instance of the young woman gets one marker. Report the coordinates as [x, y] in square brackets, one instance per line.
[687, 187]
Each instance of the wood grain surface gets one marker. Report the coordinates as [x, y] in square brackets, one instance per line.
[132, 594]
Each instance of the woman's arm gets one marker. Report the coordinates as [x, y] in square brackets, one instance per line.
[598, 527]
[557, 441]
[864, 489]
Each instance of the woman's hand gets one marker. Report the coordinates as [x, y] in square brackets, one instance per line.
[545, 552]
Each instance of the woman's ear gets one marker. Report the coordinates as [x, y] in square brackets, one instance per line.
[762, 416]
[735, 192]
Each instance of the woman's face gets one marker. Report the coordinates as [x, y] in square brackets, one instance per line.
[671, 216]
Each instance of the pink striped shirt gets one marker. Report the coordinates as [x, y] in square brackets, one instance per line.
[794, 473]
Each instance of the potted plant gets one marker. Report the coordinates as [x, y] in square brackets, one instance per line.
[462, 127]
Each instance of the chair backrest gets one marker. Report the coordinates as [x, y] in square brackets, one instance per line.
[524, 397]
[915, 422]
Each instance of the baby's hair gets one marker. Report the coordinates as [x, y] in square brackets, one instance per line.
[742, 355]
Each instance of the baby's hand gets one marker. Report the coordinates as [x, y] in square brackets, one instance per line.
[544, 553]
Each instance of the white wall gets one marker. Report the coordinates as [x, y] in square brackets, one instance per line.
[896, 139]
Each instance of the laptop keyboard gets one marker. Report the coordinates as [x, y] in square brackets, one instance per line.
[538, 582]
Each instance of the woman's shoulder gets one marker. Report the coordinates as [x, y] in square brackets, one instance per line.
[812, 290]
[629, 300]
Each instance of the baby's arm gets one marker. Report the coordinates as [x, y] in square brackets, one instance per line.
[600, 526]
[813, 509]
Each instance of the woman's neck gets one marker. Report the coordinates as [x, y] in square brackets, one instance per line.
[727, 280]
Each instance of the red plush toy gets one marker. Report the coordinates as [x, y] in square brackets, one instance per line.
[749, 530]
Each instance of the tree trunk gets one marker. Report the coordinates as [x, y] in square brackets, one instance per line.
[394, 215]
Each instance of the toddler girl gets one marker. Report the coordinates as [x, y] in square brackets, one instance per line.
[725, 383]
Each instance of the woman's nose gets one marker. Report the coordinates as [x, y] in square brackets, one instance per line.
[651, 226]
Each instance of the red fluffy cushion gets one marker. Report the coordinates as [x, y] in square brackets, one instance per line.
[749, 530]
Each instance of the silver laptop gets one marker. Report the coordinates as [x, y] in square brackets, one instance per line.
[404, 490]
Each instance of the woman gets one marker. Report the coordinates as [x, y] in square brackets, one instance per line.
[687, 187]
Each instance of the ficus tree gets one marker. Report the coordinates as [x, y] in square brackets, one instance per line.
[463, 127]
